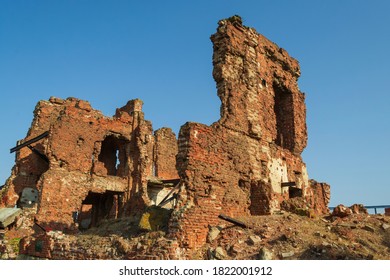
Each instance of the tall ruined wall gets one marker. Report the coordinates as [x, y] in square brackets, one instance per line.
[249, 161]
[29, 166]
[257, 85]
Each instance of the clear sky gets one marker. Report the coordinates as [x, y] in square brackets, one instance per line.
[108, 52]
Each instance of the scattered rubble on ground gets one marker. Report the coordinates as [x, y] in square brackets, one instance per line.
[282, 236]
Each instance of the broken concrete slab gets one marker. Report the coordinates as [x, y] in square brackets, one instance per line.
[254, 239]
[286, 255]
[385, 226]
[213, 233]
[265, 254]
[8, 216]
[220, 253]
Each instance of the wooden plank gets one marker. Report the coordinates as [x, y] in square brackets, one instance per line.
[169, 194]
[161, 204]
[160, 183]
[233, 221]
[289, 184]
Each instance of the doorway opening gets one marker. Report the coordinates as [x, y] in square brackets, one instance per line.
[99, 206]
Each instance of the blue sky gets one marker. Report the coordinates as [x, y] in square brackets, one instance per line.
[109, 52]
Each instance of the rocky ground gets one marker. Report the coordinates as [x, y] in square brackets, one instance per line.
[281, 236]
[290, 236]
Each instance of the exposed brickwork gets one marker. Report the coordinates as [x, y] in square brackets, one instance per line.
[40, 246]
[59, 246]
[165, 151]
[319, 197]
[257, 85]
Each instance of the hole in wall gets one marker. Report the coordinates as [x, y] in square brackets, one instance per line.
[244, 185]
[113, 155]
[98, 206]
[28, 197]
[294, 192]
[80, 141]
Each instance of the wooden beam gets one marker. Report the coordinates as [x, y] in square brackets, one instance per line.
[162, 202]
[171, 181]
[233, 221]
[288, 184]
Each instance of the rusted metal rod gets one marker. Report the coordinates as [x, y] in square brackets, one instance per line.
[29, 142]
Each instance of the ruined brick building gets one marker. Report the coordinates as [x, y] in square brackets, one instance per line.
[77, 166]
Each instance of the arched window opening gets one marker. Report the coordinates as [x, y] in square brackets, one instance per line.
[113, 155]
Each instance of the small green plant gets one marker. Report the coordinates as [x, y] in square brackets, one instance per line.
[15, 245]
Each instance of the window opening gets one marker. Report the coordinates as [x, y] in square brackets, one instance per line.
[284, 113]
[113, 155]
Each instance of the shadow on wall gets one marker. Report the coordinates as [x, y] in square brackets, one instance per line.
[113, 155]
[28, 172]
[97, 207]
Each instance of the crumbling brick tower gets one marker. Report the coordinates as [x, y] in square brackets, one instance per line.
[249, 162]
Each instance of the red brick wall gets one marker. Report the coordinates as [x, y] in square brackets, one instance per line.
[39, 246]
[320, 197]
[165, 151]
